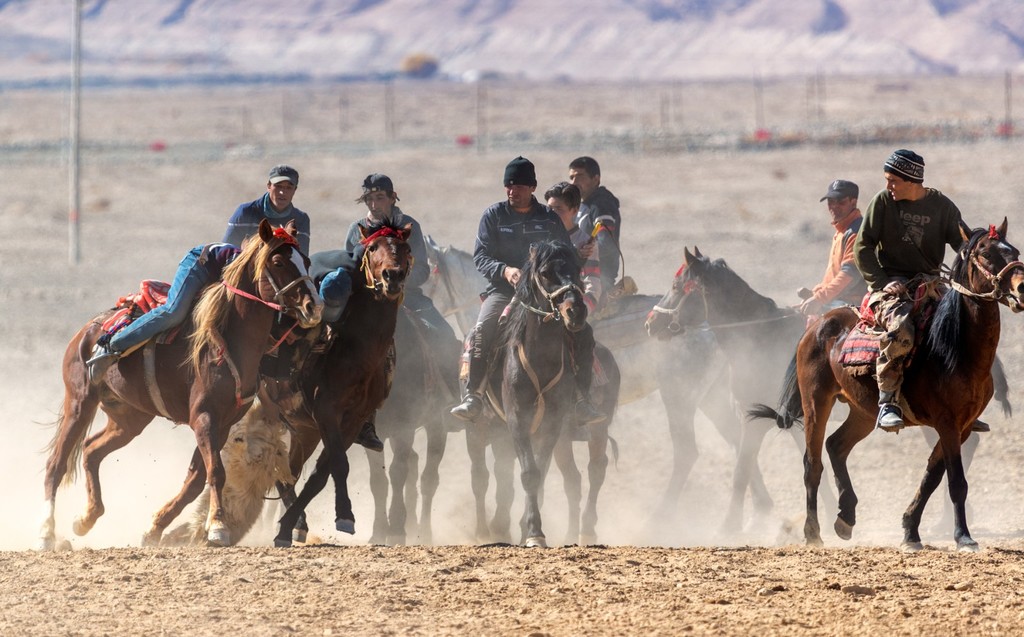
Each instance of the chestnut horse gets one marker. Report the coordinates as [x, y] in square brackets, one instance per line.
[947, 385]
[206, 377]
[350, 380]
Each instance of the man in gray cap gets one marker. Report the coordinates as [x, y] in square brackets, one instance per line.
[842, 283]
[901, 245]
[275, 206]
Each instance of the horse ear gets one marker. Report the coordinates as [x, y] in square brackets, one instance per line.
[696, 252]
[363, 231]
[687, 257]
[266, 231]
[291, 228]
[405, 231]
[1002, 230]
[965, 232]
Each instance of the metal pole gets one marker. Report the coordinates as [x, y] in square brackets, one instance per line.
[74, 199]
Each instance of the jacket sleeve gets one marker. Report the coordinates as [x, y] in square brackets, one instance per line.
[486, 235]
[353, 237]
[420, 268]
[302, 227]
[832, 288]
[867, 242]
[237, 227]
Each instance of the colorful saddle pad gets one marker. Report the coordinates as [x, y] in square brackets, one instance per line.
[151, 294]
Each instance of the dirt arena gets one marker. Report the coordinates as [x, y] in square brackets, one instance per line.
[657, 572]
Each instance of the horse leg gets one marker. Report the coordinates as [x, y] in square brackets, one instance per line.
[967, 450]
[572, 480]
[684, 450]
[304, 439]
[412, 494]
[77, 414]
[379, 489]
[855, 428]
[190, 490]
[934, 470]
[816, 411]
[597, 467]
[123, 425]
[399, 472]
[476, 447]
[210, 439]
[504, 487]
[344, 518]
[748, 476]
[437, 440]
[313, 486]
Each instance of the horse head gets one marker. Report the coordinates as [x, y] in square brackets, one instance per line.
[387, 258]
[684, 304]
[987, 266]
[551, 278]
[283, 275]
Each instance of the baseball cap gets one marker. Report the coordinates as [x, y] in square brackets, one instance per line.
[284, 172]
[841, 189]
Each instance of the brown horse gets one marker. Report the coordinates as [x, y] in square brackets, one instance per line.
[344, 387]
[206, 377]
[947, 385]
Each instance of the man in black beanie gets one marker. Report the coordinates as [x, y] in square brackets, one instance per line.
[502, 248]
[901, 244]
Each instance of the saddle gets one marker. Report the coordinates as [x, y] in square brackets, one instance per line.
[151, 294]
[861, 347]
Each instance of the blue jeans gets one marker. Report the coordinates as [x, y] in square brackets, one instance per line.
[190, 279]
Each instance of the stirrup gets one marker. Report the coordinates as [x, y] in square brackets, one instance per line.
[890, 418]
[586, 413]
[102, 359]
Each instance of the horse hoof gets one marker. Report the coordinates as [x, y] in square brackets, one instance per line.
[843, 530]
[587, 539]
[219, 535]
[815, 542]
[282, 544]
[967, 545]
[345, 526]
[912, 547]
[536, 541]
[152, 537]
[298, 535]
[47, 543]
[80, 527]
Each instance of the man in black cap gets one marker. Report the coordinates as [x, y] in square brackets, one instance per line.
[275, 206]
[901, 244]
[842, 283]
[502, 248]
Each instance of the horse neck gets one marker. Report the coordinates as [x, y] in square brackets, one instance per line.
[981, 330]
[247, 327]
[369, 323]
[740, 303]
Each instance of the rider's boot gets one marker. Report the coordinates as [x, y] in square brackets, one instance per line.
[368, 435]
[102, 358]
[890, 416]
[472, 404]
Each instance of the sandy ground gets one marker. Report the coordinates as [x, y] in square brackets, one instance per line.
[664, 572]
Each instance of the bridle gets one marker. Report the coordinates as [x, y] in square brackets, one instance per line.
[372, 283]
[997, 293]
[552, 299]
[279, 291]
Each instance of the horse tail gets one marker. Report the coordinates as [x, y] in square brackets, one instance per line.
[791, 408]
[1002, 387]
[75, 453]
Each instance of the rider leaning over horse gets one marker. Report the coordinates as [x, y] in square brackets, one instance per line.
[901, 246]
[502, 248]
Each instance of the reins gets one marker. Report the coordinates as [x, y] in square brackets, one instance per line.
[551, 297]
[996, 280]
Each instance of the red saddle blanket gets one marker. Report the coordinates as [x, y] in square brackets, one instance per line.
[861, 346]
[151, 294]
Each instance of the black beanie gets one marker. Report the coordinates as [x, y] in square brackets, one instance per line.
[520, 172]
[907, 165]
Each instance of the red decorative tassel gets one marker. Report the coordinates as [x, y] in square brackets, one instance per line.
[992, 234]
[284, 235]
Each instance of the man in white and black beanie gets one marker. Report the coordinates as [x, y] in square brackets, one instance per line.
[901, 244]
[906, 164]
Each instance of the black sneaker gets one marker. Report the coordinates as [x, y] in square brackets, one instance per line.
[470, 408]
[368, 437]
[890, 417]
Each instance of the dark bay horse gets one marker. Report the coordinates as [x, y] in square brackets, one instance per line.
[206, 377]
[947, 385]
[350, 380]
[685, 370]
[757, 337]
[534, 368]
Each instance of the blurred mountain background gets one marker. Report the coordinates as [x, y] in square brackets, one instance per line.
[196, 41]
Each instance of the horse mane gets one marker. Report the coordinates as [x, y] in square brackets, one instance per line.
[210, 312]
[744, 298]
[944, 340]
[544, 251]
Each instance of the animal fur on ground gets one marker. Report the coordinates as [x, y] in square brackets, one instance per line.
[255, 457]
